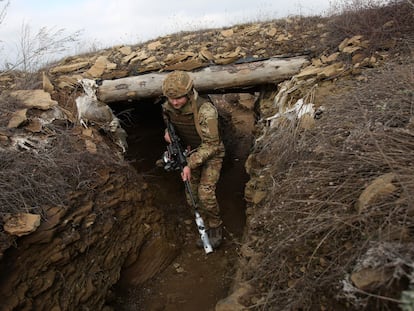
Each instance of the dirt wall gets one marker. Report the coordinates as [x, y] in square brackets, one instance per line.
[74, 257]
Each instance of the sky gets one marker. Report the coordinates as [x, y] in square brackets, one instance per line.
[107, 23]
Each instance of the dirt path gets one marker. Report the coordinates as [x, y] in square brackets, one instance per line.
[194, 281]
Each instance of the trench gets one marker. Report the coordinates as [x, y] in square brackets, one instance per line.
[193, 280]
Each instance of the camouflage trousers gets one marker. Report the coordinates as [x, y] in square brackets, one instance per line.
[203, 185]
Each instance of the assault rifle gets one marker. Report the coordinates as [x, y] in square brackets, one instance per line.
[175, 159]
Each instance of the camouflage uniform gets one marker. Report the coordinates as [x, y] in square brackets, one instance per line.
[207, 151]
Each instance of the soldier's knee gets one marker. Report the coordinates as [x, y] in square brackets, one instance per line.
[206, 191]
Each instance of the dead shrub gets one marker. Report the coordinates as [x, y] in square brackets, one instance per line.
[33, 179]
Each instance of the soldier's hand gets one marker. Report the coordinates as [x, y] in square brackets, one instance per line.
[186, 173]
[167, 137]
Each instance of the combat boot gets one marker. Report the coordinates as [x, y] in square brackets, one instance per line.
[215, 236]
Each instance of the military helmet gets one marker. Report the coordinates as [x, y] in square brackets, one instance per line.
[177, 84]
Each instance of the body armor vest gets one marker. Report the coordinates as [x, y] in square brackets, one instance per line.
[185, 126]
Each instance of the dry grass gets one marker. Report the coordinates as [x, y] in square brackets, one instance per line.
[310, 231]
[33, 179]
[386, 24]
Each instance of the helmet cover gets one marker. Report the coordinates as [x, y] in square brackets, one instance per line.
[177, 84]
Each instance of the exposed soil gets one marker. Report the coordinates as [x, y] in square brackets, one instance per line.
[194, 280]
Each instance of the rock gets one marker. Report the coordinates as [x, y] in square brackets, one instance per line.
[125, 50]
[354, 41]
[154, 45]
[227, 33]
[357, 58]
[35, 99]
[149, 60]
[90, 146]
[350, 49]
[47, 85]
[17, 119]
[69, 68]
[231, 303]
[331, 58]
[35, 126]
[258, 196]
[368, 279]
[272, 32]
[177, 58]
[331, 70]
[21, 223]
[97, 70]
[308, 71]
[187, 65]
[126, 59]
[307, 121]
[283, 37]
[206, 54]
[140, 56]
[68, 81]
[380, 187]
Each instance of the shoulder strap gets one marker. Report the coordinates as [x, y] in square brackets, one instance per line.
[194, 106]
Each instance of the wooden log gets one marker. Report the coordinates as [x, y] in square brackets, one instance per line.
[273, 70]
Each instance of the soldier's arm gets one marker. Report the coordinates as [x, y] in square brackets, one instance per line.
[210, 140]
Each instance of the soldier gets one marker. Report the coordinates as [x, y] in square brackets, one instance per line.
[196, 123]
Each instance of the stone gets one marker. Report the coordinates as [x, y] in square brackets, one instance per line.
[227, 33]
[126, 59]
[307, 122]
[125, 50]
[97, 70]
[154, 45]
[308, 71]
[187, 65]
[69, 68]
[17, 119]
[90, 146]
[331, 70]
[68, 81]
[231, 303]
[176, 58]
[258, 196]
[367, 279]
[357, 58]
[272, 32]
[34, 126]
[331, 58]
[351, 49]
[380, 187]
[35, 99]
[353, 41]
[20, 224]
[149, 60]
[47, 85]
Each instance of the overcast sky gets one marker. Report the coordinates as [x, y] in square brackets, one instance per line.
[106, 23]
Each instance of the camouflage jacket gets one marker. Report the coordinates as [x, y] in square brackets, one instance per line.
[208, 129]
